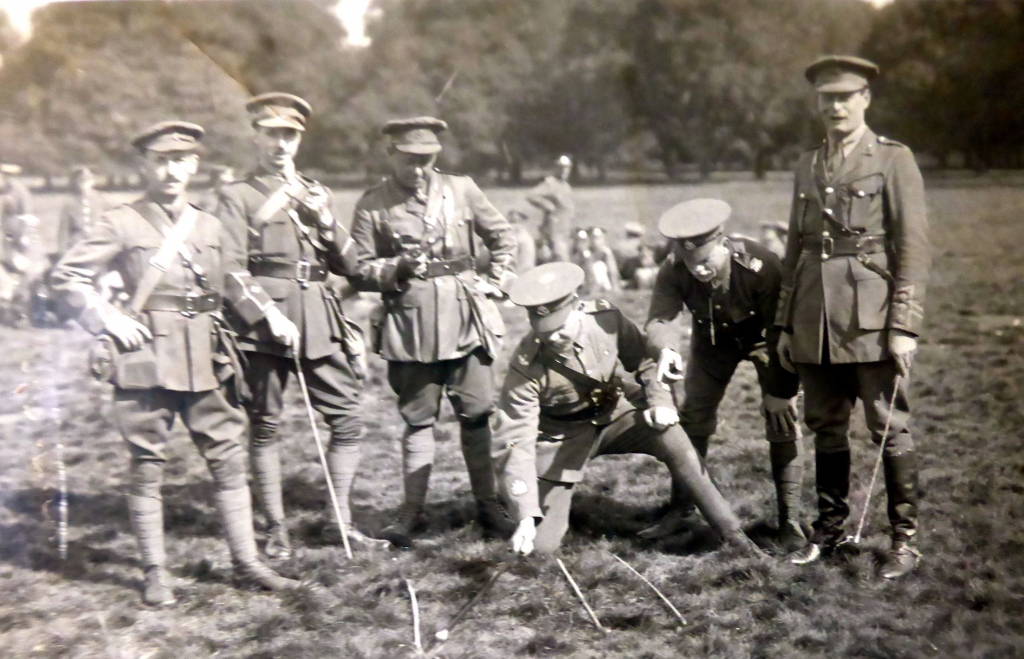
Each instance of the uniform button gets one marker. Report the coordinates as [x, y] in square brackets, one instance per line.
[828, 211]
[725, 324]
[829, 190]
[718, 306]
[860, 193]
[752, 313]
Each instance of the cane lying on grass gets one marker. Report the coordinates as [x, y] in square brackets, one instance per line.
[579, 594]
[682, 620]
[443, 635]
[415, 619]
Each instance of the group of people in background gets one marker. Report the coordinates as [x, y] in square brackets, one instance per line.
[223, 304]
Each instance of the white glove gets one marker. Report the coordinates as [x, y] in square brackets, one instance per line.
[283, 329]
[670, 366]
[522, 539]
[661, 418]
[902, 346]
[129, 333]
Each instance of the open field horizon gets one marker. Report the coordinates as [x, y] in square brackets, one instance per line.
[966, 599]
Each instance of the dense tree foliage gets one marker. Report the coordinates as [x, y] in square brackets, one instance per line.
[619, 84]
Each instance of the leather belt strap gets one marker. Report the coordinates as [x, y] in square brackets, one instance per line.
[453, 267]
[185, 304]
[845, 245]
[301, 271]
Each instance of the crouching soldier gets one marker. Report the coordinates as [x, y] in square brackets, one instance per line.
[169, 353]
[560, 406]
[731, 287]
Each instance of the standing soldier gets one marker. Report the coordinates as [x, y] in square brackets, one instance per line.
[172, 354]
[292, 242]
[850, 308]
[440, 331]
[79, 214]
[730, 287]
[554, 197]
[561, 405]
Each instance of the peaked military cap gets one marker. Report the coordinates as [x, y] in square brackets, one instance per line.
[694, 222]
[841, 73]
[168, 136]
[549, 293]
[417, 135]
[279, 110]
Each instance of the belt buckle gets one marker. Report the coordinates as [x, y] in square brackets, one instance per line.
[302, 272]
[828, 245]
[191, 305]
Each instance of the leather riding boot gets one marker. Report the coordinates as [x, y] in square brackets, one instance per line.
[832, 482]
[235, 508]
[788, 474]
[147, 520]
[476, 450]
[408, 522]
[901, 491]
[682, 514]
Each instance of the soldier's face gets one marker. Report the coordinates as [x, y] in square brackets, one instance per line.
[562, 338]
[411, 168]
[85, 184]
[705, 262]
[167, 173]
[276, 146]
[563, 171]
[843, 112]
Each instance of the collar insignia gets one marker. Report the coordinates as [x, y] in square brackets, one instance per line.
[523, 360]
[756, 264]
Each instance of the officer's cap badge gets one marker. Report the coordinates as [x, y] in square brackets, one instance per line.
[689, 245]
[542, 310]
[756, 264]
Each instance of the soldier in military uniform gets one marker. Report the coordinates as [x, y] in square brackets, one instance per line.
[292, 242]
[850, 308]
[730, 287]
[23, 260]
[79, 214]
[169, 353]
[439, 329]
[553, 196]
[562, 405]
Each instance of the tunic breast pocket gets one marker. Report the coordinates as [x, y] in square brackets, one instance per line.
[277, 235]
[865, 202]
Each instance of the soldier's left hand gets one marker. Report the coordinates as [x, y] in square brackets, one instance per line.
[670, 366]
[902, 346]
[661, 418]
[488, 289]
[317, 201]
[780, 412]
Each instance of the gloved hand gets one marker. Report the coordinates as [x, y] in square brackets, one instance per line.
[670, 366]
[902, 346]
[780, 412]
[409, 267]
[283, 329]
[488, 289]
[129, 333]
[522, 539]
[661, 418]
[785, 350]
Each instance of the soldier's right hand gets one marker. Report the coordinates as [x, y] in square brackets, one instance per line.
[129, 333]
[522, 539]
[785, 350]
[283, 329]
[409, 267]
[670, 366]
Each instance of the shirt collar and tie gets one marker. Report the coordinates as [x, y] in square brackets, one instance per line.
[838, 153]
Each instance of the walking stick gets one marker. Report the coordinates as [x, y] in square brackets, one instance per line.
[442, 636]
[878, 460]
[323, 457]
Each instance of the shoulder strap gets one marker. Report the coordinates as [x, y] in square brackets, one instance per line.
[174, 239]
[557, 364]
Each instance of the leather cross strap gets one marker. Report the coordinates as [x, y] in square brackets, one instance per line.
[603, 396]
[174, 240]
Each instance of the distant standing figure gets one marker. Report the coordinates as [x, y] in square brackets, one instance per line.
[23, 260]
[80, 213]
[603, 264]
[850, 308]
[526, 244]
[554, 197]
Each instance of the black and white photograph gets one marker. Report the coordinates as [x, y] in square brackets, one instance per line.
[479, 329]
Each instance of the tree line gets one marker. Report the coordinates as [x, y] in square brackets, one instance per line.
[636, 87]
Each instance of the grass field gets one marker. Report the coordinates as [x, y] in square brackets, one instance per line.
[966, 600]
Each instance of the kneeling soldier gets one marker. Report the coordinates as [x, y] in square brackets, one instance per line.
[731, 287]
[561, 405]
[172, 355]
